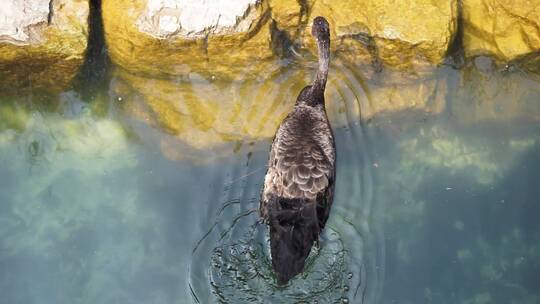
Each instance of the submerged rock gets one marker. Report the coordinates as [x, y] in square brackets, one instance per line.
[206, 114]
[504, 29]
[290, 16]
[42, 42]
[491, 95]
[389, 92]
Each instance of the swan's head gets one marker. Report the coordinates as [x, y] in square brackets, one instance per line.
[320, 29]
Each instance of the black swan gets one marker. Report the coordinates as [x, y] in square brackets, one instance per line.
[299, 185]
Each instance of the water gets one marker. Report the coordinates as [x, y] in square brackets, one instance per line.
[108, 194]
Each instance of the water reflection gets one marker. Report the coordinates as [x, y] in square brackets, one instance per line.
[205, 113]
[136, 200]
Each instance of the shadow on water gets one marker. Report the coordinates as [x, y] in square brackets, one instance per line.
[93, 77]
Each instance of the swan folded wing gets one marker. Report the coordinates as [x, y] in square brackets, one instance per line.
[304, 168]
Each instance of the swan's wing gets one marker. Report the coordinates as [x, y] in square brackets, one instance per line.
[303, 167]
[301, 164]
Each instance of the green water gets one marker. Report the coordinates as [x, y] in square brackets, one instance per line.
[439, 206]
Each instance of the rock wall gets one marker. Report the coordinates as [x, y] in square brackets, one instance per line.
[235, 39]
[163, 38]
[398, 34]
[508, 30]
[180, 61]
[17, 19]
[242, 39]
[42, 43]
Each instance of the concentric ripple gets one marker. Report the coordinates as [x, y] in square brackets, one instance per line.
[241, 272]
[240, 269]
[231, 263]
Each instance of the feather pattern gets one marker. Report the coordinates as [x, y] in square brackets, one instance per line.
[299, 185]
[302, 159]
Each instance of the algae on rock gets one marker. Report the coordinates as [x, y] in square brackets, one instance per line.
[401, 34]
[505, 29]
[223, 39]
[66, 153]
[234, 40]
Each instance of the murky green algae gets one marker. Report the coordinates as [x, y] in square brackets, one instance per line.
[457, 204]
[58, 166]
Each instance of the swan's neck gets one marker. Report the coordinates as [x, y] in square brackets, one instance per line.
[324, 59]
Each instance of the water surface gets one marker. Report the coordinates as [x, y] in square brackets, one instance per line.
[108, 195]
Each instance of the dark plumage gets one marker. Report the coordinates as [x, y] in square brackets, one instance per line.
[299, 184]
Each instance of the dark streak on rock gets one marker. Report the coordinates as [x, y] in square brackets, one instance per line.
[260, 23]
[305, 11]
[281, 42]
[51, 13]
[455, 56]
[368, 41]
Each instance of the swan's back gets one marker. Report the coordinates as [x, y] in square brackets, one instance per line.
[299, 185]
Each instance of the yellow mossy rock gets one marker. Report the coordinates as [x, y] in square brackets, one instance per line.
[42, 43]
[290, 16]
[226, 39]
[504, 29]
[235, 39]
[401, 34]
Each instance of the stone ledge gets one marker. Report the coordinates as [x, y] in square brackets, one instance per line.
[44, 47]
